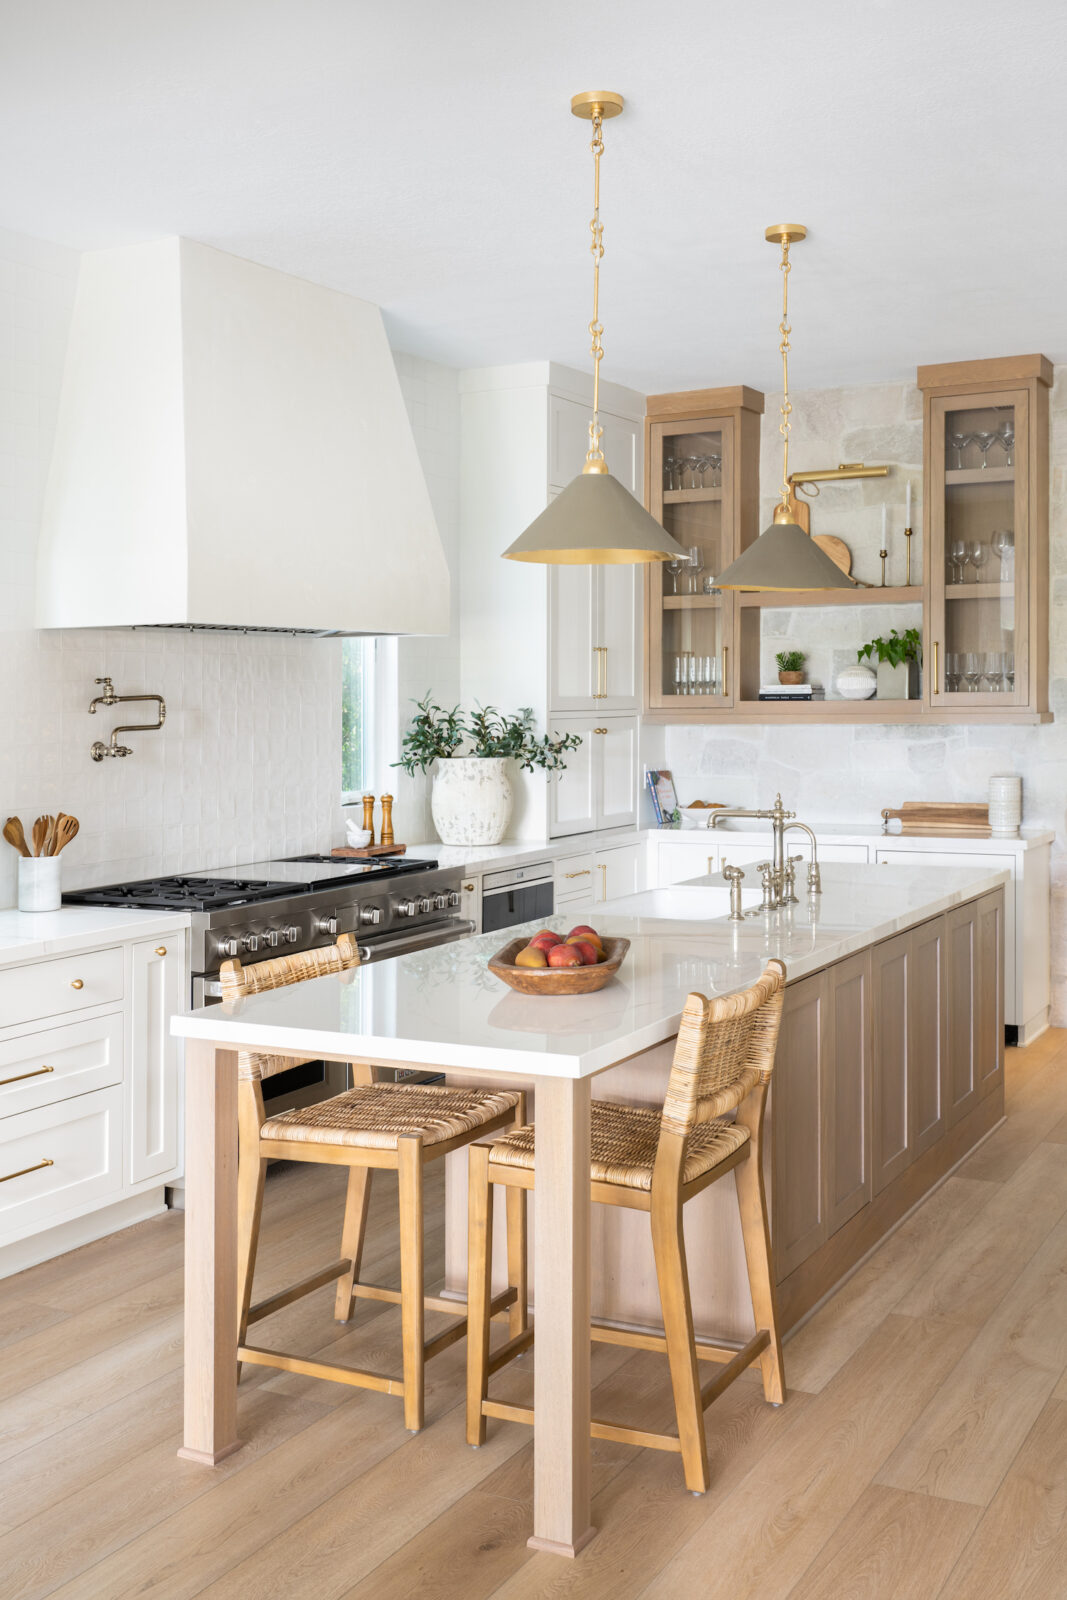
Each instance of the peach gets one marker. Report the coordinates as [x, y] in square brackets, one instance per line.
[531, 956]
[588, 951]
[564, 955]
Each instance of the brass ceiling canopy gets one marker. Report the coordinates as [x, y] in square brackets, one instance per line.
[784, 557]
[595, 521]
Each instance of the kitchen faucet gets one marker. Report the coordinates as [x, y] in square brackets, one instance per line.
[814, 876]
[777, 890]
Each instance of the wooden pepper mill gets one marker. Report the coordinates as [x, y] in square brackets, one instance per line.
[368, 816]
[387, 819]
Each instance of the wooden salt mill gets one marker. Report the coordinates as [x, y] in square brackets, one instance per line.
[387, 819]
[368, 817]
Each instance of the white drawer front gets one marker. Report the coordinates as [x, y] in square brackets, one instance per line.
[574, 880]
[81, 1142]
[37, 1069]
[49, 988]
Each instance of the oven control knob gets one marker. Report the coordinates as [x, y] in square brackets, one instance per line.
[328, 925]
[370, 914]
[291, 934]
[406, 908]
[228, 947]
[455, 898]
[250, 942]
[440, 902]
[425, 904]
[274, 938]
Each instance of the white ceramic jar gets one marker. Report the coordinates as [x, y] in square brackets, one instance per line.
[39, 883]
[471, 799]
[1005, 804]
[855, 683]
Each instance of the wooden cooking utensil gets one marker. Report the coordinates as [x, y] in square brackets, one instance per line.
[15, 836]
[66, 828]
[40, 833]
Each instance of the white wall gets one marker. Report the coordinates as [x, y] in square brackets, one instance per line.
[248, 762]
[831, 772]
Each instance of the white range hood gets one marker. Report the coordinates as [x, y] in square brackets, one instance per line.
[233, 450]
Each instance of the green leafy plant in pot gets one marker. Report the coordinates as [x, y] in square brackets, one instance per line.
[790, 666]
[472, 796]
[899, 660]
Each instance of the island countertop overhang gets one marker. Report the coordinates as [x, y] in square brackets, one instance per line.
[442, 1008]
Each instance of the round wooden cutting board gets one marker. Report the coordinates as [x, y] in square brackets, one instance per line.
[837, 550]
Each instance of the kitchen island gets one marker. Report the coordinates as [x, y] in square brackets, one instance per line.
[889, 1070]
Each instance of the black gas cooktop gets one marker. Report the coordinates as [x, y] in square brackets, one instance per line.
[246, 885]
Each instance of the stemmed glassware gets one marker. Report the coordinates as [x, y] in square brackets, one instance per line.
[715, 464]
[1003, 542]
[957, 554]
[952, 671]
[695, 566]
[674, 567]
[983, 440]
[1006, 437]
[977, 555]
[692, 467]
[971, 667]
[959, 443]
[670, 467]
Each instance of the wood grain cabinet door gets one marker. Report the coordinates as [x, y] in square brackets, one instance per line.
[989, 1021]
[848, 1120]
[961, 956]
[891, 1001]
[798, 1110]
[927, 1033]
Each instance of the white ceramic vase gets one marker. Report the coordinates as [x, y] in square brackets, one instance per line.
[855, 683]
[471, 799]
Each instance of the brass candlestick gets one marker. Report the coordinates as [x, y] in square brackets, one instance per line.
[368, 816]
[907, 547]
[387, 819]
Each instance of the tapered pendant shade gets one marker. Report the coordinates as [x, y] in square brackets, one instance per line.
[783, 557]
[594, 521]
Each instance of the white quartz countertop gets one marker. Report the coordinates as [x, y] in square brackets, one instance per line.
[516, 852]
[443, 1008]
[27, 935]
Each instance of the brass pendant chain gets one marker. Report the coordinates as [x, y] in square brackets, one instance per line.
[786, 408]
[594, 461]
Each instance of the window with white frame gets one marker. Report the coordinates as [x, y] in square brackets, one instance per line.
[368, 715]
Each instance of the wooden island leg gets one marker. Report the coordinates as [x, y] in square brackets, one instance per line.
[210, 1254]
[562, 1300]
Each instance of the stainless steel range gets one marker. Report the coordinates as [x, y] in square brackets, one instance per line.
[273, 907]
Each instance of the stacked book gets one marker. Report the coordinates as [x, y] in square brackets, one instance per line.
[787, 691]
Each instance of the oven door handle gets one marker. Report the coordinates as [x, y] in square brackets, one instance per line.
[415, 940]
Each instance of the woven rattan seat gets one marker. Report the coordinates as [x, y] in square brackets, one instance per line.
[623, 1143]
[377, 1114]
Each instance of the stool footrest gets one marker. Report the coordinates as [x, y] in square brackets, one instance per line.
[598, 1429]
[431, 1302]
[508, 1352]
[636, 1339]
[744, 1358]
[379, 1381]
[266, 1308]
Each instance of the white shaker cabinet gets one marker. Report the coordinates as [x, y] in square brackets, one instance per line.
[594, 633]
[154, 1079]
[618, 872]
[599, 787]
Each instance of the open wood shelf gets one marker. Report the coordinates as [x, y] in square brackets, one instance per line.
[876, 596]
[855, 711]
[978, 475]
[683, 497]
[692, 602]
[979, 591]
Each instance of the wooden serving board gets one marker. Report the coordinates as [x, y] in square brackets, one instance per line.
[345, 852]
[948, 817]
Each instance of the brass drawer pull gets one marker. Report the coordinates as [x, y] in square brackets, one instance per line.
[76, 983]
[21, 1173]
[19, 1076]
[937, 673]
[161, 949]
[586, 872]
[603, 880]
[710, 867]
[601, 690]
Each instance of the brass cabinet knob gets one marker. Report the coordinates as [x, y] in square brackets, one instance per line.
[161, 949]
[468, 888]
[76, 983]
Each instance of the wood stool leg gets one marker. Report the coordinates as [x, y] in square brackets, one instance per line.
[251, 1172]
[357, 1204]
[672, 1275]
[752, 1204]
[412, 1310]
[479, 1286]
[515, 1201]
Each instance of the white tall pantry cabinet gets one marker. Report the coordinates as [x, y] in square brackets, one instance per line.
[566, 641]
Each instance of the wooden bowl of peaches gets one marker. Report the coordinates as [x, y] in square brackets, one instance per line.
[578, 962]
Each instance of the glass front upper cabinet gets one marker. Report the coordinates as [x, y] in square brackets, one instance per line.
[987, 514]
[695, 488]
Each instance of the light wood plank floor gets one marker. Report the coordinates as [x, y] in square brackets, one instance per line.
[922, 1454]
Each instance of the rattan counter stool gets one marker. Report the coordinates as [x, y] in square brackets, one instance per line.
[398, 1127]
[655, 1161]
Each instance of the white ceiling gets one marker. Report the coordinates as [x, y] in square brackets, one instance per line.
[422, 154]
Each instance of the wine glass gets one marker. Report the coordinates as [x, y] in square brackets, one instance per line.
[952, 671]
[674, 567]
[957, 554]
[1000, 667]
[983, 440]
[959, 443]
[670, 466]
[692, 467]
[1006, 437]
[971, 668]
[703, 468]
[716, 472]
[1010, 670]
[695, 566]
[1003, 543]
[978, 555]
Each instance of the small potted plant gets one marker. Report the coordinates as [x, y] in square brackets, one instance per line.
[899, 658]
[790, 666]
[471, 798]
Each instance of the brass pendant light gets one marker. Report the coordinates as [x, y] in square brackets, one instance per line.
[784, 556]
[595, 521]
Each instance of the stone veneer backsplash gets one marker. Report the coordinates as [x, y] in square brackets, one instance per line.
[834, 773]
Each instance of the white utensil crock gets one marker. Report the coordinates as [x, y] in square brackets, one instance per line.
[38, 883]
[1005, 805]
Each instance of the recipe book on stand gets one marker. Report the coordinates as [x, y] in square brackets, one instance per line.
[791, 691]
